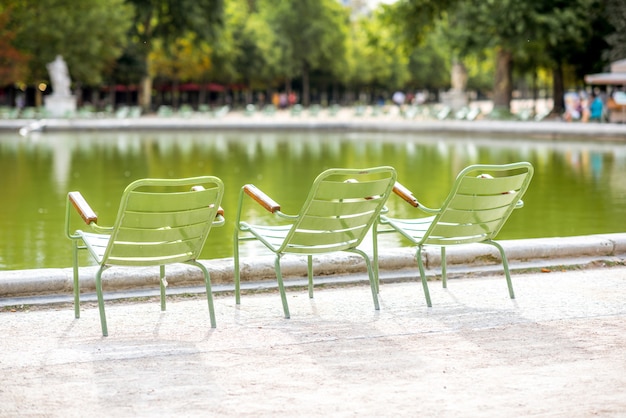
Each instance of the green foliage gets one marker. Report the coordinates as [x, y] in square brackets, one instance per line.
[379, 62]
[89, 35]
[169, 19]
[257, 55]
[311, 34]
[265, 44]
[615, 15]
[184, 59]
[414, 19]
[309, 31]
[12, 62]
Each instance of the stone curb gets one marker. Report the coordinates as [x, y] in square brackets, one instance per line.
[554, 129]
[522, 254]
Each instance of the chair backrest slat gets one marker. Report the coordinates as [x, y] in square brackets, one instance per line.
[151, 235]
[490, 186]
[170, 219]
[476, 202]
[162, 221]
[480, 202]
[164, 201]
[340, 209]
[328, 190]
[343, 208]
[455, 216]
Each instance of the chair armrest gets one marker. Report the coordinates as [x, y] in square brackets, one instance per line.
[405, 194]
[261, 198]
[83, 208]
[219, 218]
[519, 204]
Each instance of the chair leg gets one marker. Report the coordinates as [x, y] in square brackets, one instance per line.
[76, 281]
[103, 319]
[209, 291]
[372, 277]
[505, 264]
[444, 273]
[237, 273]
[162, 286]
[310, 274]
[375, 256]
[420, 264]
[281, 286]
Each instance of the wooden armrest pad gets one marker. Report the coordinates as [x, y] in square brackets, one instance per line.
[261, 198]
[405, 194]
[220, 211]
[83, 208]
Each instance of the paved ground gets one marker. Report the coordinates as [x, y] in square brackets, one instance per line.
[556, 350]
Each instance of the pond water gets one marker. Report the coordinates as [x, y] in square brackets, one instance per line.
[578, 188]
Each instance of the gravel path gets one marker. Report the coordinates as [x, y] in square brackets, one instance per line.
[556, 350]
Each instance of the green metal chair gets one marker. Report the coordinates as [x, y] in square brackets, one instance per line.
[159, 222]
[478, 205]
[339, 211]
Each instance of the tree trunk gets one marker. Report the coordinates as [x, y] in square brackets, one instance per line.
[78, 94]
[535, 91]
[306, 88]
[145, 94]
[38, 98]
[175, 94]
[558, 90]
[503, 86]
[110, 99]
[202, 94]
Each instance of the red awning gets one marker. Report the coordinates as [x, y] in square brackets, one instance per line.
[120, 88]
[192, 87]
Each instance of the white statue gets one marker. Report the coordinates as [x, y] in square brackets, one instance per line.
[60, 77]
[458, 77]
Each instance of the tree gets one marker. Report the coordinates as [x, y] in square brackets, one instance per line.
[504, 26]
[311, 33]
[615, 14]
[414, 19]
[523, 34]
[551, 32]
[429, 61]
[572, 34]
[257, 55]
[167, 20]
[184, 59]
[89, 36]
[376, 61]
[13, 63]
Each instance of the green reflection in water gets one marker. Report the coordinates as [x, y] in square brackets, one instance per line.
[578, 189]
